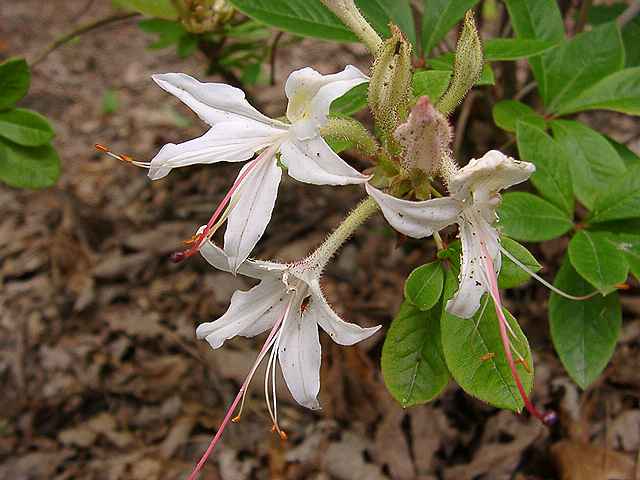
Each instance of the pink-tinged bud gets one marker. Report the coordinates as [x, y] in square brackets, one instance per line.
[425, 138]
[177, 257]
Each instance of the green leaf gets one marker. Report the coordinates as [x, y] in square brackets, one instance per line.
[424, 285]
[594, 163]
[444, 62]
[599, 14]
[413, 367]
[506, 114]
[581, 62]
[187, 45]
[15, 79]
[541, 20]
[496, 49]
[511, 275]
[110, 101]
[351, 102]
[474, 355]
[439, 17]
[153, 8]
[620, 199]
[380, 12]
[25, 127]
[431, 83]
[627, 155]
[552, 177]
[28, 167]
[529, 218]
[597, 260]
[584, 332]
[619, 92]
[629, 245]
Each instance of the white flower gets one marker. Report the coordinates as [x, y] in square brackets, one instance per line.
[238, 131]
[472, 205]
[289, 302]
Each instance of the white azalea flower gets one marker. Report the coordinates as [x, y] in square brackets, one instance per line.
[472, 205]
[288, 301]
[238, 131]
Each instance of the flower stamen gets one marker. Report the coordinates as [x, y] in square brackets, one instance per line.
[122, 157]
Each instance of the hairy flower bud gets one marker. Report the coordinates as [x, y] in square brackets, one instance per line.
[425, 138]
[200, 16]
[390, 83]
[347, 11]
[467, 66]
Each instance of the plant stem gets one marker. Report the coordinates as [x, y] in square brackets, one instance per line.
[582, 16]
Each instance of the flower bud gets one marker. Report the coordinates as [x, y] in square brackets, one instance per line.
[352, 132]
[425, 138]
[467, 66]
[200, 16]
[347, 11]
[390, 85]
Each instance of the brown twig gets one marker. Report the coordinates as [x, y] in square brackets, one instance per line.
[461, 125]
[272, 58]
[82, 29]
[629, 14]
[582, 16]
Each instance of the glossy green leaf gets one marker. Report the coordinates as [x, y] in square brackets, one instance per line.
[496, 49]
[619, 199]
[594, 163]
[15, 79]
[474, 355]
[412, 361]
[28, 167]
[597, 260]
[552, 177]
[439, 17]
[506, 114]
[511, 275]
[541, 20]
[584, 332]
[351, 102]
[580, 63]
[529, 218]
[423, 286]
[25, 127]
[444, 62]
[153, 8]
[431, 83]
[619, 92]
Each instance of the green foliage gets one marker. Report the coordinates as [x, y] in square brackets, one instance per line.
[14, 81]
[497, 49]
[506, 114]
[424, 286]
[154, 8]
[170, 33]
[511, 275]
[584, 332]
[110, 102]
[620, 199]
[431, 83]
[445, 61]
[438, 18]
[28, 167]
[530, 218]
[25, 127]
[351, 102]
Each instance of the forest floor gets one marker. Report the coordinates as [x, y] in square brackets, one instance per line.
[102, 375]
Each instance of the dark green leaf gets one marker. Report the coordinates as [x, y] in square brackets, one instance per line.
[552, 177]
[444, 62]
[620, 199]
[584, 332]
[529, 218]
[597, 260]
[28, 167]
[25, 127]
[431, 83]
[506, 114]
[594, 163]
[351, 102]
[511, 275]
[412, 361]
[629, 245]
[439, 17]
[187, 45]
[599, 14]
[628, 157]
[424, 285]
[497, 49]
[14, 81]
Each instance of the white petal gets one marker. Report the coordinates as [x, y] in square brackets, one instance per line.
[212, 102]
[417, 219]
[486, 176]
[473, 279]
[341, 332]
[248, 314]
[259, 269]
[225, 142]
[300, 359]
[251, 214]
[313, 161]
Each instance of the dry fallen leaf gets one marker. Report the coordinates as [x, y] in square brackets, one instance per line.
[582, 461]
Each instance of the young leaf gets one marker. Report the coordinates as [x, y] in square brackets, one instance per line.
[351, 102]
[25, 127]
[619, 92]
[511, 275]
[506, 114]
[541, 20]
[14, 81]
[581, 62]
[529, 218]
[497, 49]
[412, 362]
[594, 163]
[552, 177]
[431, 83]
[423, 287]
[439, 17]
[584, 332]
[28, 167]
[474, 355]
[598, 260]
[620, 199]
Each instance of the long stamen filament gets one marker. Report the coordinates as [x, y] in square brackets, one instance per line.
[543, 281]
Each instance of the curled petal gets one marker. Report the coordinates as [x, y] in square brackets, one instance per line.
[417, 219]
[258, 269]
